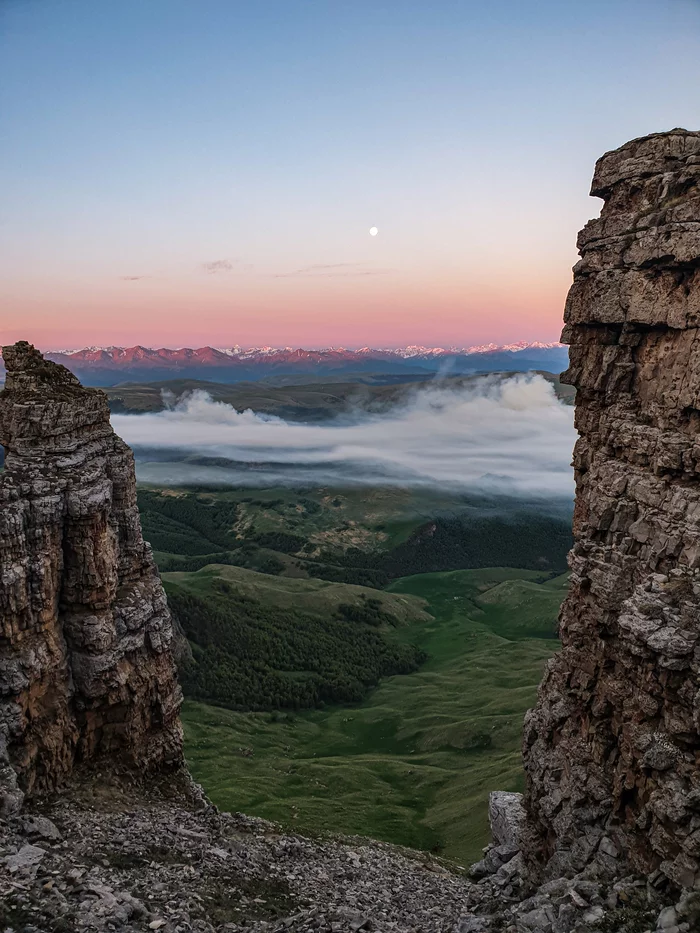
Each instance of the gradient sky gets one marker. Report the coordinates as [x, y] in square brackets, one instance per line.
[186, 173]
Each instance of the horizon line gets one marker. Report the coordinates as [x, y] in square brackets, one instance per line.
[514, 345]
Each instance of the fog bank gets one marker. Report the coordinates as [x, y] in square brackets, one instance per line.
[499, 435]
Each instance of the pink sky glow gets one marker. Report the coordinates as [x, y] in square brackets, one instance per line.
[221, 310]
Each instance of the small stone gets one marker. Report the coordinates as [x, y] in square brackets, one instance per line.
[191, 834]
[667, 918]
[470, 925]
[156, 924]
[506, 817]
[536, 920]
[577, 899]
[359, 923]
[219, 853]
[608, 847]
[28, 857]
[42, 828]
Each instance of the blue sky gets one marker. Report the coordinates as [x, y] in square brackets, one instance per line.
[144, 141]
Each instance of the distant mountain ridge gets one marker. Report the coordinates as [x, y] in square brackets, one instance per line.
[113, 365]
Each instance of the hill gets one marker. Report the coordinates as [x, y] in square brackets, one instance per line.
[262, 643]
[361, 536]
[318, 400]
[319, 597]
[414, 761]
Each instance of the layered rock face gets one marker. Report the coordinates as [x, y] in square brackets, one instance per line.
[612, 749]
[85, 660]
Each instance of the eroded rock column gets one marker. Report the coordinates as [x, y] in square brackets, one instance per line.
[612, 749]
[85, 660]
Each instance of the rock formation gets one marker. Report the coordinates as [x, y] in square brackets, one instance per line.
[85, 662]
[612, 749]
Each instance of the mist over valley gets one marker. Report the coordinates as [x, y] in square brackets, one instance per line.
[492, 435]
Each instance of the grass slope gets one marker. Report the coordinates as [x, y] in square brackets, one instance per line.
[320, 597]
[258, 643]
[414, 762]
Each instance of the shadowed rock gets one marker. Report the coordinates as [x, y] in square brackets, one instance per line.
[612, 747]
[85, 661]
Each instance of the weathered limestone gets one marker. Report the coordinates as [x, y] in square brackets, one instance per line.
[612, 749]
[85, 660]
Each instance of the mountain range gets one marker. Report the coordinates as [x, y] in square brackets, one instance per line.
[107, 366]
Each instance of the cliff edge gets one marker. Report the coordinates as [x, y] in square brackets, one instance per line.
[612, 749]
[86, 669]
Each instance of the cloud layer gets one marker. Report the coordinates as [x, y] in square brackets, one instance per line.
[511, 436]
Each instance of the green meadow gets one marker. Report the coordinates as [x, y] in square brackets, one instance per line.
[414, 762]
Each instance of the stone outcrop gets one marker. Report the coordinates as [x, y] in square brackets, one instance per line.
[612, 749]
[86, 667]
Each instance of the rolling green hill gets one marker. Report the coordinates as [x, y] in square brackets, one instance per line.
[263, 643]
[361, 536]
[320, 597]
[414, 761]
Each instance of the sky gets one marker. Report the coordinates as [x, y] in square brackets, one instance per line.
[179, 173]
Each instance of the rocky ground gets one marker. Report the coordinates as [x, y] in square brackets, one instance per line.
[119, 857]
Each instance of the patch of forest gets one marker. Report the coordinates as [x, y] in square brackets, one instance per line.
[190, 530]
[250, 655]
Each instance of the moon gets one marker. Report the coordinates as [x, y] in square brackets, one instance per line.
[373, 231]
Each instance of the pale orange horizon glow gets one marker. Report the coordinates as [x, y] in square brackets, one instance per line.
[349, 322]
[386, 310]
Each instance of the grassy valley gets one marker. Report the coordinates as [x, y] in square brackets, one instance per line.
[359, 660]
[361, 536]
[414, 761]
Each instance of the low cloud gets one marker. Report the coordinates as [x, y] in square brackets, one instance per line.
[507, 436]
[132, 278]
[218, 265]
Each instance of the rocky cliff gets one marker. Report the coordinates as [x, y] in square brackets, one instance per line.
[85, 662]
[612, 749]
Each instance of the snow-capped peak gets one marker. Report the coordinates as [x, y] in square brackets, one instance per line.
[239, 353]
